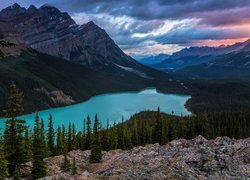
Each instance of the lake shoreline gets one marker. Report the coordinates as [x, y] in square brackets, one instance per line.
[114, 106]
[113, 92]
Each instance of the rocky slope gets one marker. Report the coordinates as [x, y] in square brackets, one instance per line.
[50, 31]
[180, 159]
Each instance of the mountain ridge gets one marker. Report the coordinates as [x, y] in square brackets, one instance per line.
[56, 33]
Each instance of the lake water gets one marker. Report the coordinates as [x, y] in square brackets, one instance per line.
[112, 107]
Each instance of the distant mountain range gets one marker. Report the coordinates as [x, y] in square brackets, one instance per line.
[222, 61]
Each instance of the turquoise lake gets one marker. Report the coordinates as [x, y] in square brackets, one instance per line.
[112, 107]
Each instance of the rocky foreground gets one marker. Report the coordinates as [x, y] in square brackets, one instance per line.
[222, 158]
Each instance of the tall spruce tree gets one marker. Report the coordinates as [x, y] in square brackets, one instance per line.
[14, 129]
[43, 140]
[74, 141]
[74, 167]
[3, 162]
[39, 169]
[51, 137]
[69, 138]
[65, 166]
[88, 134]
[157, 134]
[96, 149]
[59, 143]
[64, 140]
[27, 145]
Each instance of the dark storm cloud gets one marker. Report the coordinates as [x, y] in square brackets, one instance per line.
[140, 23]
[162, 9]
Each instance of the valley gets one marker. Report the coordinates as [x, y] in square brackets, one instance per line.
[108, 91]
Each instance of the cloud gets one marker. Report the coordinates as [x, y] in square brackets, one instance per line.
[160, 26]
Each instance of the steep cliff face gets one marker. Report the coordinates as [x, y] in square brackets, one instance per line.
[53, 32]
[199, 158]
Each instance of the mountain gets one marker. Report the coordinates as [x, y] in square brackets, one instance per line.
[198, 55]
[153, 59]
[48, 30]
[233, 65]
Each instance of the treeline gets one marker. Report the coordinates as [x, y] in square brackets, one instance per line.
[19, 144]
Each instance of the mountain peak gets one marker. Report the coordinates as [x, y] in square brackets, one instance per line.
[32, 8]
[15, 6]
[12, 11]
[91, 23]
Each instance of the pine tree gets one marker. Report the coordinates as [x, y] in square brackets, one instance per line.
[205, 125]
[88, 134]
[135, 139]
[74, 167]
[44, 146]
[14, 129]
[65, 166]
[142, 133]
[69, 138]
[39, 169]
[157, 134]
[59, 143]
[104, 137]
[51, 137]
[3, 162]
[64, 140]
[113, 137]
[127, 138]
[74, 141]
[27, 145]
[96, 149]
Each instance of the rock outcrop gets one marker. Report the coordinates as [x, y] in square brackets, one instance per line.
[222, 158]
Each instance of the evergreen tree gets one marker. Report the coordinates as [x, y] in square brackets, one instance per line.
[14, 129]
[3, 162]
[135, 139]
[74, 167]
[59, 143]
[205, 125]
[127, 137]
[27, 145]
[64, 140]
[74, 142]
[44, 146]
[17, 174]
[69, 138]
[104, 137]
[142, 133]
[88, 134]
[65, 166]
[39, 169]
[96, 149]
[113, 137]
[51, 137]
[157, 134]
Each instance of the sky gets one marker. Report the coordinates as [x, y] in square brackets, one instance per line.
[150, 27]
